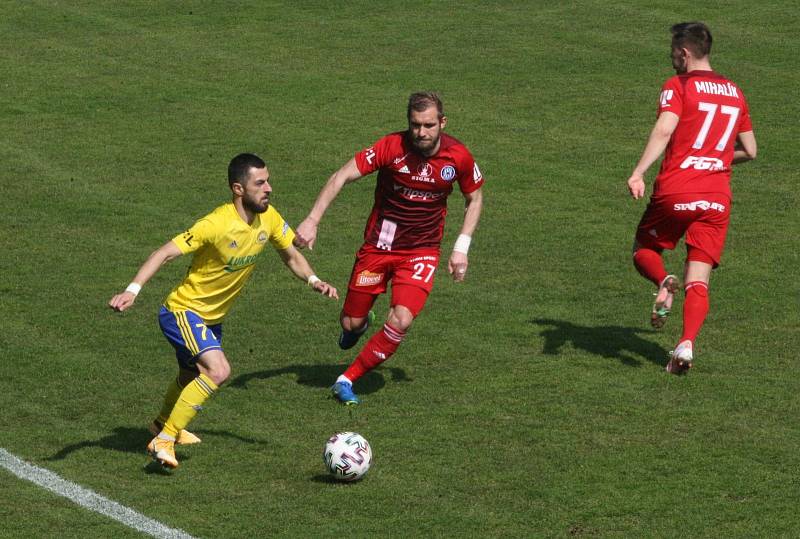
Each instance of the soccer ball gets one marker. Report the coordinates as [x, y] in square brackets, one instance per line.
[347, 456]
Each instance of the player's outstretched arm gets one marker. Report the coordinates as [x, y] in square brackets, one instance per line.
[745, 149]
[656, 144]
[158, 258]
[298, 265]
[306, 233]
[457, 265]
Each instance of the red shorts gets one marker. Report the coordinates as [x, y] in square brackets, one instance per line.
[411, 273]
[702, 218]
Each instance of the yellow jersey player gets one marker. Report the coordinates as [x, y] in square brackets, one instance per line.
[225, 244]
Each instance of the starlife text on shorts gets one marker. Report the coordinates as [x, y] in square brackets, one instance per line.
[700, 204]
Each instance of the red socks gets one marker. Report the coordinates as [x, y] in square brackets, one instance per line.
[650, 265]
[377, 349]
[695, 309]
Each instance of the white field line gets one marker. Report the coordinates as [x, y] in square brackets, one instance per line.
[87, 498]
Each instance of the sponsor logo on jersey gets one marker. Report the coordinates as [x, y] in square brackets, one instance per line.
[700, 205]
[424, 179]
[262, 237]
[233, 245]
[404, 170]
[236, 263]
[423, 258]
[703, 163]
[369, 155]
[416, 194]
[368, 278]
[400, 159]
[285, 228]
[424, 169]
[476, 174]
[665, 97]
[187, 238]
[448, 172]
[715, 88]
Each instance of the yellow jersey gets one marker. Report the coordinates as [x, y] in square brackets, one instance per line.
[225, 250]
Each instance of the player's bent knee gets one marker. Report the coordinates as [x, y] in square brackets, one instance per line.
[352, 323]
[400, 318]
[215, 365]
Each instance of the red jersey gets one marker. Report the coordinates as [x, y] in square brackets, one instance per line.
[712, 112]
[411, 191]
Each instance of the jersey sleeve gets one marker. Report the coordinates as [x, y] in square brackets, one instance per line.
[470, 178]
[671, 97]
[202, 232]
[281, 234]
[376, 156]
[746, 124]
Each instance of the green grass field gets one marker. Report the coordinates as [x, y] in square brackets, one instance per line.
[529, 401]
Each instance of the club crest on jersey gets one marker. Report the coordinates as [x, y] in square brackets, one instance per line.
[368, 278]
[448, 172]
[262, 237]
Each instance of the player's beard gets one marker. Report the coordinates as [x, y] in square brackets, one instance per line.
[425, 147]
[255, 206]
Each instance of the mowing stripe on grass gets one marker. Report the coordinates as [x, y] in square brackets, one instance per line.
[86, 498]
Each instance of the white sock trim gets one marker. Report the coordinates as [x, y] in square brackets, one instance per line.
[345, 379]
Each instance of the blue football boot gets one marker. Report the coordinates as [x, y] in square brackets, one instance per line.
[344, 393]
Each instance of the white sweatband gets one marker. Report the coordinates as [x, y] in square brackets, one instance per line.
[313, 279]
[134, 288]
[462, 244]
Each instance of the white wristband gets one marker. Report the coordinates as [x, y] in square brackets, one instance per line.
[313, 279]
[462, 244]
[134, 288]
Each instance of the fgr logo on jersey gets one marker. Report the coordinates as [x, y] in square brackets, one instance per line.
[702, 163]
[448, 173]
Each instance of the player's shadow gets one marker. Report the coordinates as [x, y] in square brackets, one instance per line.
[323, 376]
[134, 439]
[613, 342]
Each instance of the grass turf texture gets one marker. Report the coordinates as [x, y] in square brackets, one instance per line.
[529, 401]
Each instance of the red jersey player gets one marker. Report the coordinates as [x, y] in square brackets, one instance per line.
[417, 170]
[703, 127]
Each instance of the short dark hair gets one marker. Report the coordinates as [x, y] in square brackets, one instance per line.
[694, 36]
[420, 101]
[239, 167]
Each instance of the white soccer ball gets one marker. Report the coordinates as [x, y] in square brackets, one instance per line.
[347, 456]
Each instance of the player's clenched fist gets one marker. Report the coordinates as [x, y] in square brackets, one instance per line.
[306, 234]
